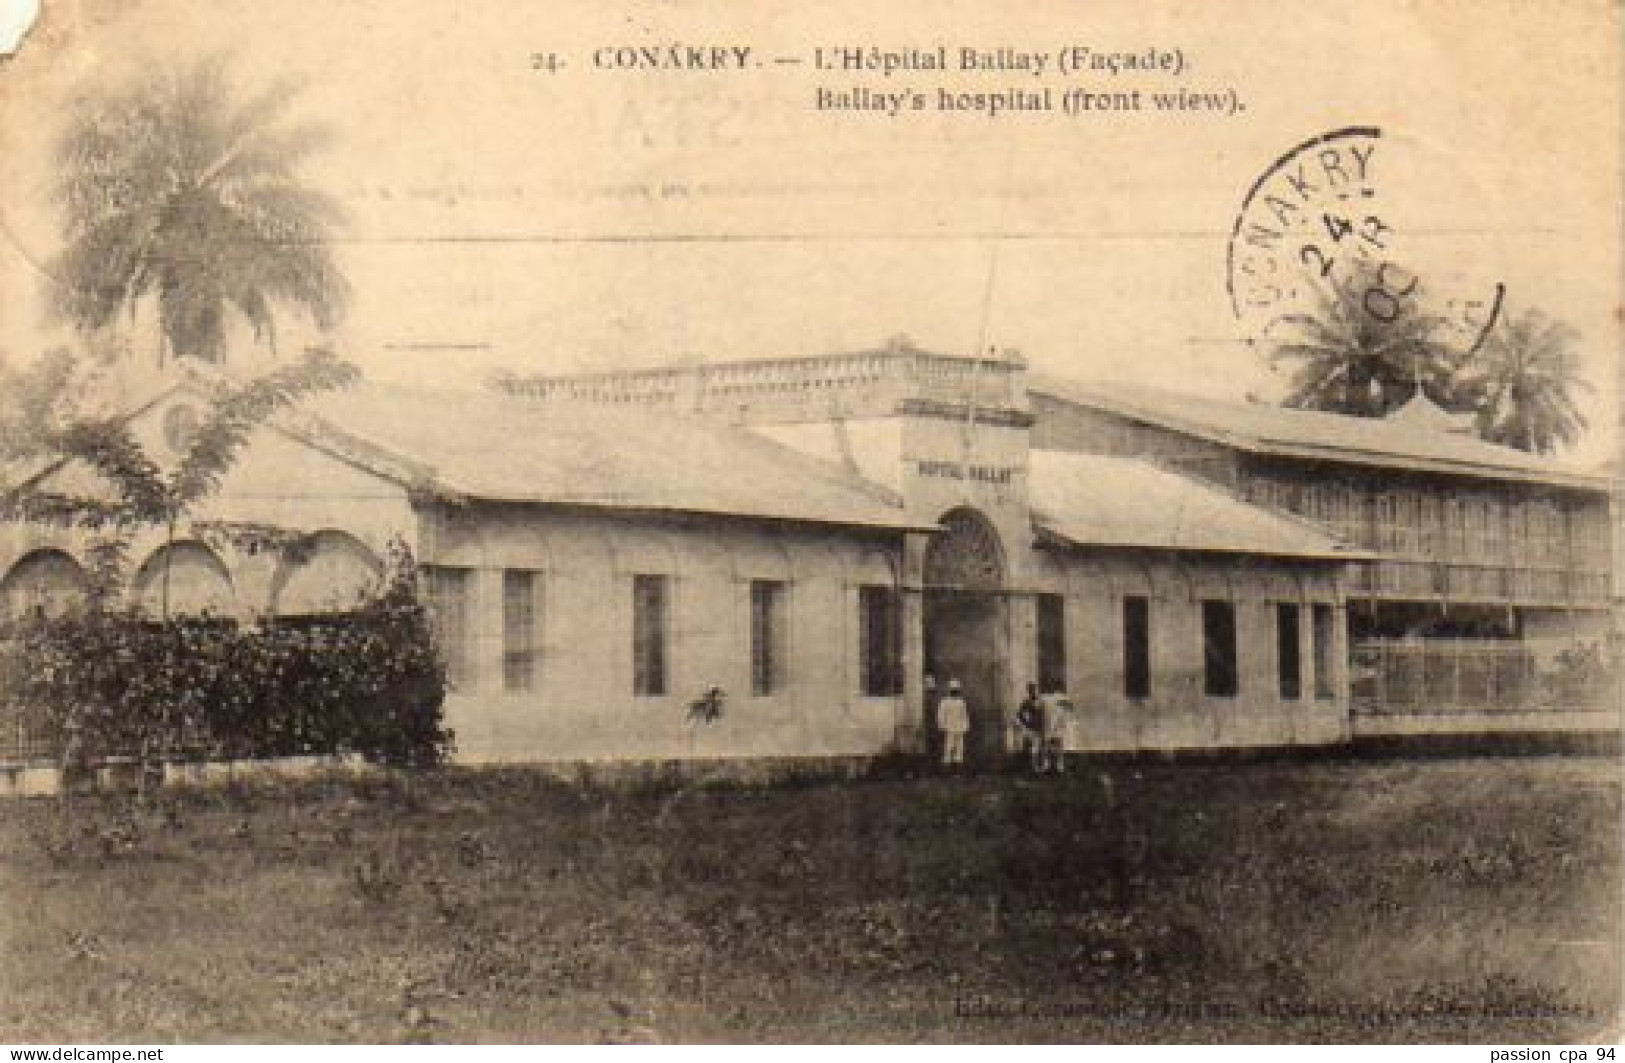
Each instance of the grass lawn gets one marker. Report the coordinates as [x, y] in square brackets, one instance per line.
[1461, 900]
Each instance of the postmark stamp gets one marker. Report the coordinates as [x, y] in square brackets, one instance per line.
[1322, 218]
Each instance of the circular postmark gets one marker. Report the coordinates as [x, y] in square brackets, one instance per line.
[1325, 218]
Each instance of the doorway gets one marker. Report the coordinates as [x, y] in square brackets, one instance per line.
[964, 625]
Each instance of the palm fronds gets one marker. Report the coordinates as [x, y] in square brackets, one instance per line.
[171, 190]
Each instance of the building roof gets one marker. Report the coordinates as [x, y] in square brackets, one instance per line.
[486, 445]
[1099, 500]
[1267, 429]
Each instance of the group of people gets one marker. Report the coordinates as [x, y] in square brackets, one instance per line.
[1043, 721]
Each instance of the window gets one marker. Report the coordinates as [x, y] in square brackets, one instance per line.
[1406, 522]
[1051, 642]
[880, 642]
[649, 663]
[1219, 678]
[448, 608]
[1322, 635]
[1494, 528]
[1429, 524]
[1458, 520]
[519, 629]
[1288, 655]
[1387, 517]
[766, 633]
[1137, 646]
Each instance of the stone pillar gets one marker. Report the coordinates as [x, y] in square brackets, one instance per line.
[911, 722]
[1340, 651]
[253, 578]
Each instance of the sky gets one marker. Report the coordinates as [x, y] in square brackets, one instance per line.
[501, 216]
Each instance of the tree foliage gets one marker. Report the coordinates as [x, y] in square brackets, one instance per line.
[172, 189]
[105, 680]
[141, 492]
[96, 683]
[1368, 346]
[1523, 383]
[1363, 351]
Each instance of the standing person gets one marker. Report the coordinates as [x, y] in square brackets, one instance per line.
[1057, 711]
[1030, 721]
[953, 720]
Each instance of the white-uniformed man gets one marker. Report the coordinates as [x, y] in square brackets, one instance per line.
[953, 720]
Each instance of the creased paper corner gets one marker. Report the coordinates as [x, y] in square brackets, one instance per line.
[16, 19]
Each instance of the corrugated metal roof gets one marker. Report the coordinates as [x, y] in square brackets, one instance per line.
[1306, 433]
[490, 446]
[1097, 500]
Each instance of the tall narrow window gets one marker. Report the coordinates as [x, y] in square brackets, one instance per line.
[1322, 618]
[519, 589]
[1137, 646]
[1219, 678]
[766, 635]
[649, 659]
[1288, 654]
[879, 642]
[1051, 642]
[448, 610]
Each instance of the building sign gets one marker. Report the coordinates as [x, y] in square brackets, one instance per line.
[953, 470]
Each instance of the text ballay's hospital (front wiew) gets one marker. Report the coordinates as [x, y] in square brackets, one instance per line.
[829, 539]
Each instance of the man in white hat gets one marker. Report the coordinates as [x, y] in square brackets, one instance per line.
[953, 719]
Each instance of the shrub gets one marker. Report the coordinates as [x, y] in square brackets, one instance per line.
[102, 682]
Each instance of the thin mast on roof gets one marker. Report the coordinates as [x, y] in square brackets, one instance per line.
[983, 350]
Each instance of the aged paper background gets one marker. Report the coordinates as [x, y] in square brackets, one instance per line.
[526, 193]
[503, 215]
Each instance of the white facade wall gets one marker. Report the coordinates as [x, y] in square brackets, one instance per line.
[1178, 714]
[582, 705]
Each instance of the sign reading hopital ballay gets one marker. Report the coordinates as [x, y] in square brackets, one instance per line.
[953, 470]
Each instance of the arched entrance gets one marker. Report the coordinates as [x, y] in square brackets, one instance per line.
[334, 577]
[48, 581]
[184, 579]
[964, 623]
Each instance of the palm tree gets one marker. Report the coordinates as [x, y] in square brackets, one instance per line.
[172, 190]
[1522, 384]
[1363, 351]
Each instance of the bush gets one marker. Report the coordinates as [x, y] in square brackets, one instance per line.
[103, 682]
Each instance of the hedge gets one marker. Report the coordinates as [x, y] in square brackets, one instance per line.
[102, 683]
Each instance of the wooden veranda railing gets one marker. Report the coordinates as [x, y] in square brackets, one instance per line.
[1444, 676]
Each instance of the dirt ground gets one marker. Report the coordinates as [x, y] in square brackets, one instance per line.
[1475, 900]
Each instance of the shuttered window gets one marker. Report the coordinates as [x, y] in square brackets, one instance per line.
[519, 649]
[650, 662]
[449, 611]
[1288, 651]
[1137, 646]
[766, 636]
[1219, 674]
[879, 642]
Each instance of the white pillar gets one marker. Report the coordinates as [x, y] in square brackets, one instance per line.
[911, 722]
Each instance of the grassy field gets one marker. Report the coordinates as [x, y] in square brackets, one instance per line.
[1466, 900]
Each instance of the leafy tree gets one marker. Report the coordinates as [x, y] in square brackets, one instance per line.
[43, 427]
[139, 492]
[1522, 384]
[172, 190]
[1364, 350]
[35, 396]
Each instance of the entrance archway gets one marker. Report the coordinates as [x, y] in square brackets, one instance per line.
[49, 581]
[964, 623]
